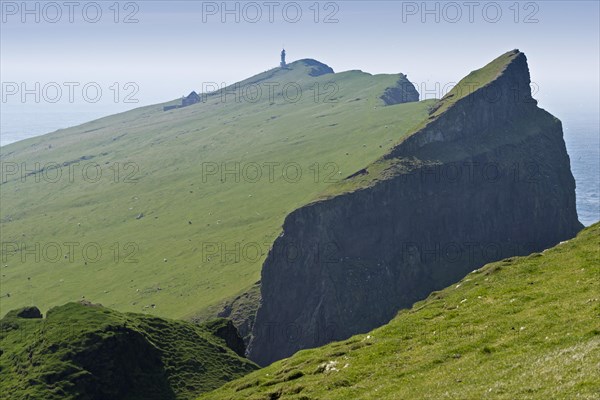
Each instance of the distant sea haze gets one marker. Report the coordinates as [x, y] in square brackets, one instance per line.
[581, 132]
[18, 123]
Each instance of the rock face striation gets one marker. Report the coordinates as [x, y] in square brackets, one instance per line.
[486, 177]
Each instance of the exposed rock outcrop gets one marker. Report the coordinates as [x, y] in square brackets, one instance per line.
[486, 177]
[224, 329]
[29, 312]
[316, 68]
[403, 92]
[242, 311]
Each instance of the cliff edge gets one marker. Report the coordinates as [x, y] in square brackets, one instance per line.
[485, 177]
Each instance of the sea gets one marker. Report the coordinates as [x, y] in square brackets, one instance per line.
[582, 137]
[581, 134]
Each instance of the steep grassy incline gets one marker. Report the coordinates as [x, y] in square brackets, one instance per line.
[143, 211]
[521, 328]
[85, 351]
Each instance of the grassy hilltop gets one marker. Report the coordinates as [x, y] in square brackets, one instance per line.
[88, 351]
[521, 328]
[161, 214]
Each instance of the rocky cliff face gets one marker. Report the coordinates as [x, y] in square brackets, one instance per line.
[224, 329]
[485, 178]
[403, 92]
[316, 68]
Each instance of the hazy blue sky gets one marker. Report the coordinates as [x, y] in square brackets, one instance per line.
[174, 47]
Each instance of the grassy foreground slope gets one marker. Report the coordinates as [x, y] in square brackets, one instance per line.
[521, 328]
[139, 216]
[84, 351]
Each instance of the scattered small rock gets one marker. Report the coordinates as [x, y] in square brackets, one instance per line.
[88, 303]
[329, 366]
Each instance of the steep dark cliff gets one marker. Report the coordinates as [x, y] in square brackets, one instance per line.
[486, 177]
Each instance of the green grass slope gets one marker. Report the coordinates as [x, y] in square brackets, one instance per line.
[522, 328]
[86, 351]
[132, 219]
